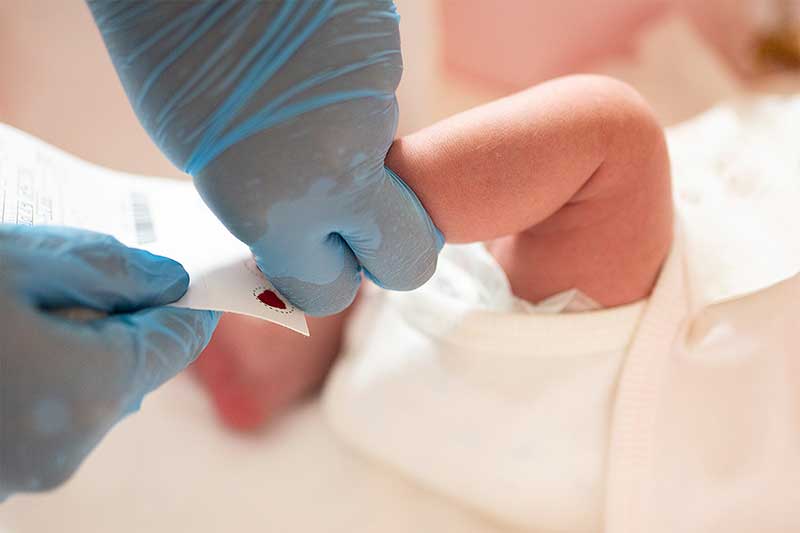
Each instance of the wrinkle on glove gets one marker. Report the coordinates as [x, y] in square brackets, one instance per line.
[65, 383]
[283, 113]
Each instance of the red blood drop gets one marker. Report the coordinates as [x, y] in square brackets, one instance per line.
[271, 299]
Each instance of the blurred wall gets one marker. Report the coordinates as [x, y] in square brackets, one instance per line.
[57, 82]
[516, 43]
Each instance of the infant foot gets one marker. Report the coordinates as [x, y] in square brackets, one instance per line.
[254, 370]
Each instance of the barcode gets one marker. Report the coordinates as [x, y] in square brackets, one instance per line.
[142, 218]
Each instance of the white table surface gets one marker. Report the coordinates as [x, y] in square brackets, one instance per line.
[172, 468]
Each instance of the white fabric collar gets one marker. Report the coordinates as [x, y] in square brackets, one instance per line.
[736, 175]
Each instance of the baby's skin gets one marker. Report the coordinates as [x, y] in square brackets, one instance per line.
[568, 183]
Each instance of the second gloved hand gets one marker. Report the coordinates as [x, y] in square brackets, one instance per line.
[65, 383]
[283, 112]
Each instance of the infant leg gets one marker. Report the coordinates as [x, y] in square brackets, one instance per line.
[570, 179]
[254, 370]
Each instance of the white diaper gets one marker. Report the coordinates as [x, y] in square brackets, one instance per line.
[489, 400]
[569, 301]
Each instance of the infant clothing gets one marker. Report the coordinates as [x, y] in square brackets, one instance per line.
[679, 413]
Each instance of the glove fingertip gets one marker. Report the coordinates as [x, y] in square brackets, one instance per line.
[439, 236]
[167, 276]
[210, 320]
[321, 300]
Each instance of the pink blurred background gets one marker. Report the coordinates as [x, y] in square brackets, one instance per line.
[683, 55]
[515, 43]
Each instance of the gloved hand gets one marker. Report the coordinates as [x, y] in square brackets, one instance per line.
[65, 383]
[283, 112]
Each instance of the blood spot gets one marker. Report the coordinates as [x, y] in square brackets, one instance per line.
[271, 299]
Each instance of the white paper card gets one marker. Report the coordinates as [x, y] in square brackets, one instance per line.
[40, 184]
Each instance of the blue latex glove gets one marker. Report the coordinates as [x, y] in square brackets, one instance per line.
[283, 112]
[65, 383]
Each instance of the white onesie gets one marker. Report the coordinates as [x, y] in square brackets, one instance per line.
[468, 391]
[676, 414]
